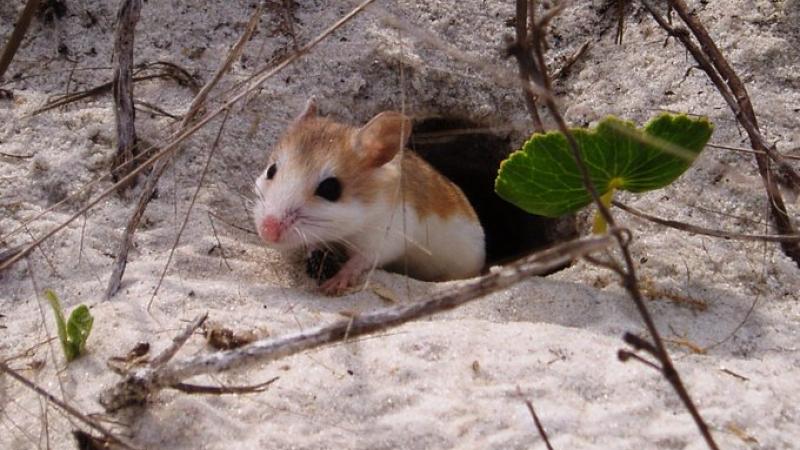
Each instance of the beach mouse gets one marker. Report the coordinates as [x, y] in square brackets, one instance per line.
[330, 183]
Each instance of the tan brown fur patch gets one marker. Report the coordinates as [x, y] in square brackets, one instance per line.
[429, 192]
[313, 144]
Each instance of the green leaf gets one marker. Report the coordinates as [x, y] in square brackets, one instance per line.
[542, 178]
[74, 332]
[79, 326]
[52, 298]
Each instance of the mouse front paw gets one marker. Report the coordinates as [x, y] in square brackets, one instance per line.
[346, 277]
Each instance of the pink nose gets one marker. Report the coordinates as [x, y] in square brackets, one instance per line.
[271, 229]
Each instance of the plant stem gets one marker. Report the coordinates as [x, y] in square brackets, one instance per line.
[600, 224]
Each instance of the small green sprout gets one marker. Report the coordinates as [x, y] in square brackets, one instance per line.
[543, 178]
[74, 332]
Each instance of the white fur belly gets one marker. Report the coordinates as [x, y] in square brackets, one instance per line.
[455, 249]
[432, 249]
[437, 249]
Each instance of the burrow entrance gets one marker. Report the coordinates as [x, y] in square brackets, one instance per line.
[470, 155]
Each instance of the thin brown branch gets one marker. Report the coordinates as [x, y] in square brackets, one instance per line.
[747, 116]
[528, 72]
[121, 260]
[178, 341]
[20, 28]
[629, 280]
[571, 60]
[536, 421]
[9, 253]
[163, 69]
[154, 110]
[683, 226]
[64, 406]
[750, 151]
[221, 390]
[727, 82]
[122, 86]
[620, 22]
[143, 382]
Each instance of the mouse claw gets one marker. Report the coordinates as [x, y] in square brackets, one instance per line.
[335, 286]
[345, 278]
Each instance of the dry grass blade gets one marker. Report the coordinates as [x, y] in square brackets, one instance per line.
[750, 151]
[88, 93]
[706, 231]
[211, 153]
[620, 22]
[182, 135]
[233, 55]
[64, 406]
[143, 382]
[20, 28]
[8, 253]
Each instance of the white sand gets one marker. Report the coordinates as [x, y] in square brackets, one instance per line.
[450, 381]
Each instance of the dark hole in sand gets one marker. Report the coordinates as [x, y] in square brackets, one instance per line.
[470, 155]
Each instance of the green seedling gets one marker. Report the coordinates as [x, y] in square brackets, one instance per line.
[543, 178]
[74, 332]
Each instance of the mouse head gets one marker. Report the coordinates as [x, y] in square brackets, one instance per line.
[324, 179]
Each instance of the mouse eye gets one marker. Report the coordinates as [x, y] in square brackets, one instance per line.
[330, 189]
[271, 171]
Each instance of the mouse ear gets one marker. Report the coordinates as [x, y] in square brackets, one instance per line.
[310, 110]
[381, 138]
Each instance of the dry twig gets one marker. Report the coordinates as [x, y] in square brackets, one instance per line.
[221, 390]
[161, 70]
[571, 60]
[63, 406]
[727, 82]
[122, 87]
[528, 70]
[622, 237]
[141, 383]
[20, 28]
[178, 341]
[706, 231]
[149, 187]
[536, 421]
